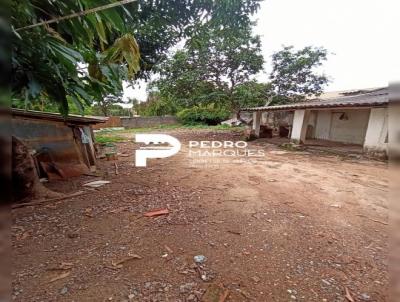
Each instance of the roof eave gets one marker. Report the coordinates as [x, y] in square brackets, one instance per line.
[57, 117]
[321, 106]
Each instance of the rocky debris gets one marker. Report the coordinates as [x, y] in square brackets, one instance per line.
[113, 226]
[187, 287]
[365, 297]
[255, 279]
[215, 293]
[64, 290]
[199, 259]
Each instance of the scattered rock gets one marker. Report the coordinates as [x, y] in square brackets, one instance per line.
[64, 290]
[365, 297]
[215, 293]
[255, 279]
[186, 288]
[199, 258]
[131, 296]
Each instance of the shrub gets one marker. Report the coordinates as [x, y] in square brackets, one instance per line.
[104, 139]
[209, 115]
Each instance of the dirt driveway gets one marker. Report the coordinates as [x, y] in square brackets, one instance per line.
[288, 226]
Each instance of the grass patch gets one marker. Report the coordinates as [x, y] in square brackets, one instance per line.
[115, 136]
[103, 139]
[179, 126]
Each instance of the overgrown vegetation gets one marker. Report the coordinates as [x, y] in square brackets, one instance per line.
[111, 138]
[121, 135]
[208, 115]
[213, 69]
[71, 61]
[212, 73]
[78, 65]
[85, 59]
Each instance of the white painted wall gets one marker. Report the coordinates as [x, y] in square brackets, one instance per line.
[299, 129]
[311, 122]
[377, 131]
[323, 124]
[351, 130]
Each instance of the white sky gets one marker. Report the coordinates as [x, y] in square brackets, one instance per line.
[361, 36]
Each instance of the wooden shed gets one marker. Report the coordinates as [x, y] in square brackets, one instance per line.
[62, 147]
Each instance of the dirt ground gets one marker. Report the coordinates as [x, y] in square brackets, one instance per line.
[286, 226]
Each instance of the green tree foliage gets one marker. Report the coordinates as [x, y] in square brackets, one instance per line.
[158, 25]
[293, 76]
[157, 106]
[135, 104]
[227, 58]
[44, 104]
[213, 63]
[49, 61]
[108, 102]
[209, 115]
[252, 94]
[112, 110]
[86, 58]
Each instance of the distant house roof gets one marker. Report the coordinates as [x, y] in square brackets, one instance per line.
[377, 97]
[72, 118]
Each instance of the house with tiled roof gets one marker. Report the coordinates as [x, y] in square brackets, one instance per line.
[358, 117]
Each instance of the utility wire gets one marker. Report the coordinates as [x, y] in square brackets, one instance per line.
[78, 14]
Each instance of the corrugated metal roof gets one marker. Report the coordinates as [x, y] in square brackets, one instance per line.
[72, 118]
[359, 98]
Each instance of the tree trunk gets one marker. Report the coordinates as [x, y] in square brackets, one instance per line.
[26, 183]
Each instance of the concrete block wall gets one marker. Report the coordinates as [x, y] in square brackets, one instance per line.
[113, 121]
[147, 121]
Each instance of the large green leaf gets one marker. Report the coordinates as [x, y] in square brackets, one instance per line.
[115, 19]
[125, 50]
